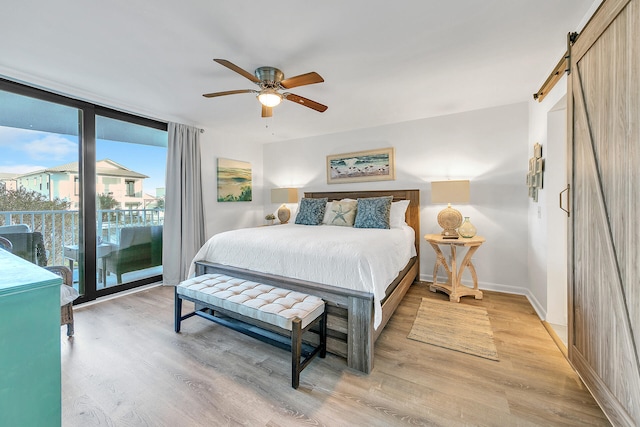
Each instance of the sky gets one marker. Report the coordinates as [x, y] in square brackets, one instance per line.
[23, 150]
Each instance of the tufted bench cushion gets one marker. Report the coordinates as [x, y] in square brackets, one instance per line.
[266, 303]
[254, 308]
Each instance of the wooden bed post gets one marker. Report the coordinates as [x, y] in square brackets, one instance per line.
[360, 337]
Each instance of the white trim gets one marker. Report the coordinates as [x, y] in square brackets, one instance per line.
[117, 295]
[496, 287]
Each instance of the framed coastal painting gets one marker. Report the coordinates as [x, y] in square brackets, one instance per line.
[234, 181]
[361, 166]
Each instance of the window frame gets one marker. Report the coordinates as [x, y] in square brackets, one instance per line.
[87, 112]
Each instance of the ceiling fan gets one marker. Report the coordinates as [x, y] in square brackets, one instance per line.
[271, 81]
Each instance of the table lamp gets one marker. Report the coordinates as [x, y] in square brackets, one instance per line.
[450, 192]
[284, 195]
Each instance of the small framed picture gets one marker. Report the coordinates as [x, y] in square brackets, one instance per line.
[537, 150]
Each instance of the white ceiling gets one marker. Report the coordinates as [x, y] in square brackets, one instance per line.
[383, 61]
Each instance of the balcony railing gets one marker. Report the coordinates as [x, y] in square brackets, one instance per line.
[60, 228]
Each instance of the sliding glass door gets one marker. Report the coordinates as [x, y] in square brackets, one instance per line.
[39, 186]
[79, 184]
[130, 169]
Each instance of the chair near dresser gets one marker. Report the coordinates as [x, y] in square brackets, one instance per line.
[66, 292]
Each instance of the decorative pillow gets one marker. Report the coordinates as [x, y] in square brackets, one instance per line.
[311, 211]
[373, 212]
[341, 213]
[398, 213]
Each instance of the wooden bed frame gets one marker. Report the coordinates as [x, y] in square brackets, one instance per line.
[350, 313]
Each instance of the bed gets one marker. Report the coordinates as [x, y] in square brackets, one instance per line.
[357, 312]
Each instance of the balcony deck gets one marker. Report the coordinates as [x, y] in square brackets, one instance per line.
[60, 232]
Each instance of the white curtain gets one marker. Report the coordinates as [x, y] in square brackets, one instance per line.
[183, 233]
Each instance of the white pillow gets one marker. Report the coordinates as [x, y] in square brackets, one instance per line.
[398, 212]
[327, 214]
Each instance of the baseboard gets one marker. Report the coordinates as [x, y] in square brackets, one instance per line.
[117, 295]
[556, 339]
[496, 287]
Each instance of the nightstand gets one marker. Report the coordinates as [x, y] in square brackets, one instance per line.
[454, 287]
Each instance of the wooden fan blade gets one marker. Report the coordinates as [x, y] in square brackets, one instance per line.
[267, 111]
[301, 80]
[234, 67]
[306, 102]
[228, 92]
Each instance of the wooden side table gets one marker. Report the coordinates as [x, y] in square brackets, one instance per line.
[454, 287]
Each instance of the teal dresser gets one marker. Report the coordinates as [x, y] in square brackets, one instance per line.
[30, 391]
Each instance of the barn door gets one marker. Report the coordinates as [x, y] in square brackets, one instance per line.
[604, 170]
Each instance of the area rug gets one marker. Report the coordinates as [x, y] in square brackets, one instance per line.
[455, 326]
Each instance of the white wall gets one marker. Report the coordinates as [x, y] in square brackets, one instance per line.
[557, 220]
[547, 248]
[487, 146]
[223, 216]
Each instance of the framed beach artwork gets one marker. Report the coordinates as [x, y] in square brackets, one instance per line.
[361, 166]
[234, 181]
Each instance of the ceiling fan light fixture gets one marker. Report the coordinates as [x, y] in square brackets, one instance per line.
[270, 80]
[269, 97]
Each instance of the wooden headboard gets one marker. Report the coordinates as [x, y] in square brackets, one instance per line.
[413, 211]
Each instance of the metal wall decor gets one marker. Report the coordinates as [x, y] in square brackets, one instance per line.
[536, 169]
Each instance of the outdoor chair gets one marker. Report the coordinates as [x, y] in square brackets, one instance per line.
[6, 244]
[27, 245]
[138, 248]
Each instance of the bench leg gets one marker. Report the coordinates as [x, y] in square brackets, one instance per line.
[177, 311]
[323, 335]
[296, 349]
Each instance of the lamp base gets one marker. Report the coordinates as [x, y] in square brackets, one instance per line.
[284, 214]
[449, 219]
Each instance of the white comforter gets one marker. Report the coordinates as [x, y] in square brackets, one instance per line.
[361, 259]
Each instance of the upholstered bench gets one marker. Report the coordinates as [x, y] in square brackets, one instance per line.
[280, 315]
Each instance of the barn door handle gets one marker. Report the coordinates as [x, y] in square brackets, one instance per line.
[566, 190]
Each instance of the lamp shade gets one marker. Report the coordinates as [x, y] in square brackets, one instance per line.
[284, 195]
[269, 97]
[450, 191]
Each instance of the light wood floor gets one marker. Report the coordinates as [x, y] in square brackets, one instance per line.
[126, 367]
